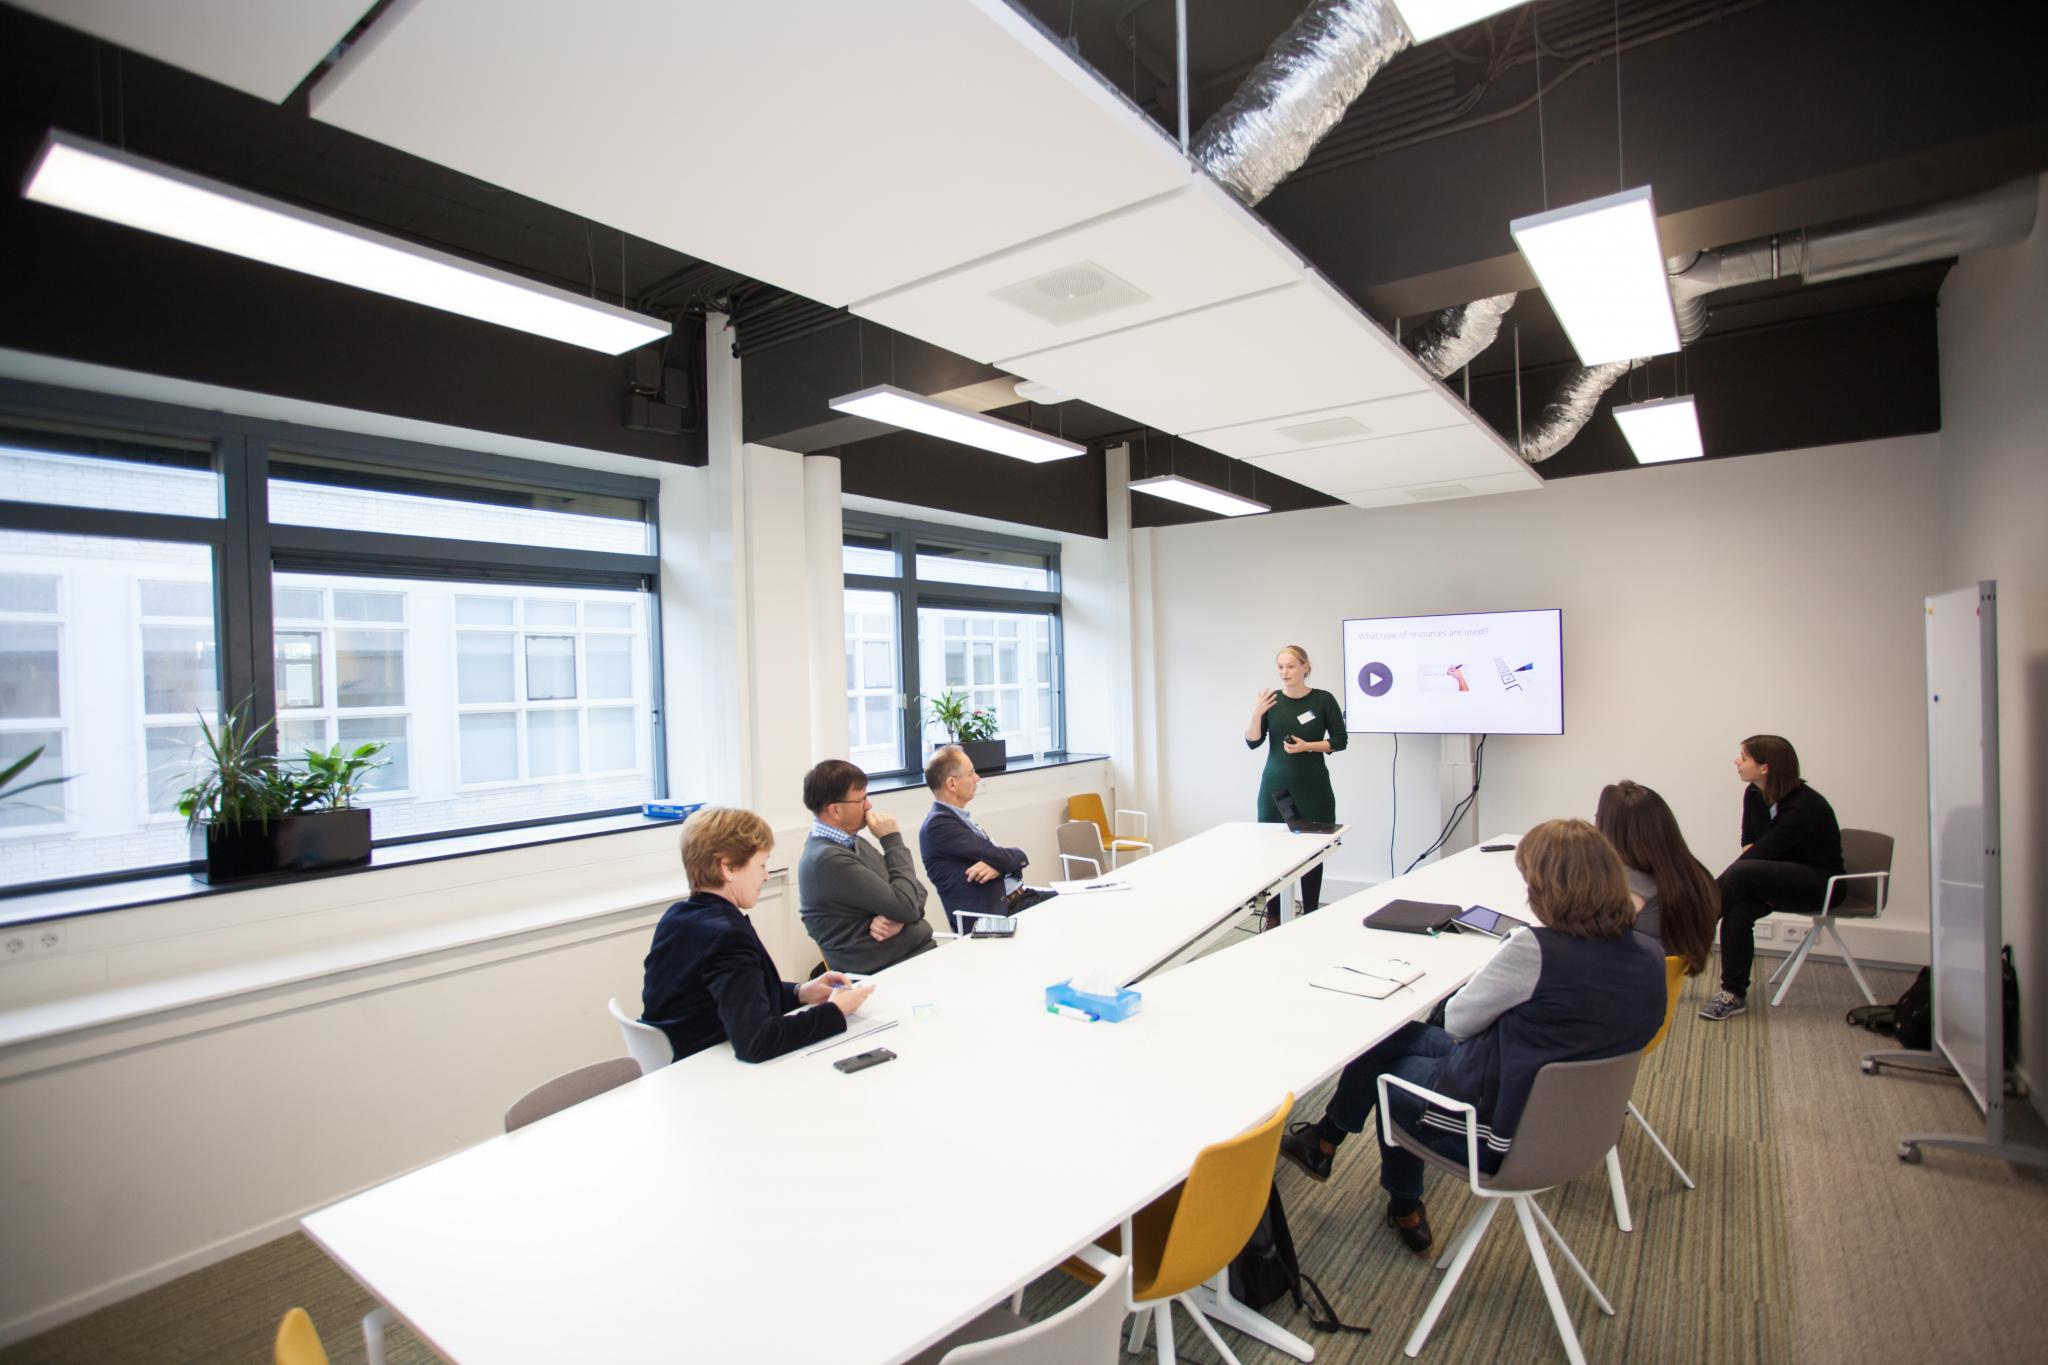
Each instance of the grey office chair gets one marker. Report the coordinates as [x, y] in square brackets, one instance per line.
[645, 1043]
[1081, 851]
[1085, 1332]
[1570, 1123]
[1859, 892]
[570, 1088]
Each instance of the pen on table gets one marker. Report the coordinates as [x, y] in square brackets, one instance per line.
[1070, 1012]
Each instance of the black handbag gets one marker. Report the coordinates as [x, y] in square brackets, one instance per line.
[1268, 1269]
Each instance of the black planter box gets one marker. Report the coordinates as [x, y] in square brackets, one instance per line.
[987, 755]
[290, 843]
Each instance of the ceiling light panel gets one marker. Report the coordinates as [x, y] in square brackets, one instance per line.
[78, 174]
[896, 407]
[260, 47]
[854, 170]
[1460, 453]
[1428, 19]
[1289, 350]
[1661, 430]
[1428, 410]
[1179, 251]
[1179, 488]
[1602, 270]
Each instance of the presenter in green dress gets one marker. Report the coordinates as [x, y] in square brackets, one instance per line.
[1302, 724]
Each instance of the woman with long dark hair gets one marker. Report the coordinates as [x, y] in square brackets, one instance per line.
[1680, 900]
[1791, 845]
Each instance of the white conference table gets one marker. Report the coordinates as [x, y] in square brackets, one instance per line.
[716, 1211]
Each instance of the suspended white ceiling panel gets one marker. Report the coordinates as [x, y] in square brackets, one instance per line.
[1442, 491]
[263, 47]
[1192, 247]
[1426, 411]
[837, 149]
[1298, 348]
[1460, 453]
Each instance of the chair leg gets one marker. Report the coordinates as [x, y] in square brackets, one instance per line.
[1209, 1331]
[1139, 1319]
[1617, 1190]
[374, 1323]
[1550, 1228]
[1162, 1331]
[1468, 1241]
[1017, 1302]
[1850, 958]
[1548, 1277]
[1792, 964]
[1651, 1133]
[1470, 1232]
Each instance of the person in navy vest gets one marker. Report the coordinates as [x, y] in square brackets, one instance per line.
[1577, 986]
[709, 976]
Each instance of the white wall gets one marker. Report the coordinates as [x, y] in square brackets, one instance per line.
[1994, 524]
[1702, 603]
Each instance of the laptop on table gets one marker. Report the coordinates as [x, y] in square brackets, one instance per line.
[1292, 815]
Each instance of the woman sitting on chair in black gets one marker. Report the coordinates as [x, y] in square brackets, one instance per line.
[1791, 845]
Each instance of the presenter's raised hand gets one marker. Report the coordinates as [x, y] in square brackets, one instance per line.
[1266, 698]
[981, 872]
[853, 997]
[880, 823]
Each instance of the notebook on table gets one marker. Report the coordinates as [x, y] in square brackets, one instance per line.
[1413, 917]
[1375, 979]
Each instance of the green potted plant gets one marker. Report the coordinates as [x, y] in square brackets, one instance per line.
[12, 789]
[253, 816]
[973, 730]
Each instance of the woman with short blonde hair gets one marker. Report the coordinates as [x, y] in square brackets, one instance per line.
[1298, 724]
[708, 975]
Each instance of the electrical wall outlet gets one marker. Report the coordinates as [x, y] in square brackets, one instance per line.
[24, 942]
[1793, 933]
[1765, 929]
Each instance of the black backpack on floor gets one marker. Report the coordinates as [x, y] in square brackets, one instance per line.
[1267, 1269]
[1910, 1019]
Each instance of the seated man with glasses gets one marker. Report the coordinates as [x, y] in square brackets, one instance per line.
[863, 905]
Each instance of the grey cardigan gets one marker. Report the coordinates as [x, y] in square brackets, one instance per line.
[840, 890]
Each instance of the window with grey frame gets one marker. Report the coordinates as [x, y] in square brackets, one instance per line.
[492, 622]
[932, 609]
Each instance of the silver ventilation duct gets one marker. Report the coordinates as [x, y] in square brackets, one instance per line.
[1571, 407]
[1452, 336]
[1297, 93]
[1860, 246]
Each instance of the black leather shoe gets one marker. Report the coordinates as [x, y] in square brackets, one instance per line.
[1301, 1146]
[1415, 1236]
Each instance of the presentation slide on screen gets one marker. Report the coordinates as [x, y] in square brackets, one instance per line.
[1481, 673]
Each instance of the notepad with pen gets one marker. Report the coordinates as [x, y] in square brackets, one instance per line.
[1413, 917]
[1375, 979]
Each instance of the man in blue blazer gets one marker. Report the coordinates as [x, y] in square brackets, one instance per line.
[969, 870]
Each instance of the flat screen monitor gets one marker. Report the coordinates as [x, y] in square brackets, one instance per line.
[1475, 673]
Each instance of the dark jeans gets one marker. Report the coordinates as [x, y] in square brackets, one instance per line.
[1750, 889]
[1311, 889]
[1414, 1052]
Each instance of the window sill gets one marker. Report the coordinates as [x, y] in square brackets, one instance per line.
[896, 782]
[35, 906]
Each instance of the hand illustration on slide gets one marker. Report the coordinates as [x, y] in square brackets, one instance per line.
[1457, 672]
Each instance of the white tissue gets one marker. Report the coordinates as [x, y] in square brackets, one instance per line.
[1096, 978]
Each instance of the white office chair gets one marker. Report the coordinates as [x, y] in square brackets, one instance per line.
[645, 1043]
[1085, 1332]
[1080, 846]
[1859, 892]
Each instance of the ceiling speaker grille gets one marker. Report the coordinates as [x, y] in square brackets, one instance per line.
[1325, 431]
[1073, 293]
[1430, 492]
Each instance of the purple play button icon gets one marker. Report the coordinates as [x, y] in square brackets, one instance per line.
[1375, 679]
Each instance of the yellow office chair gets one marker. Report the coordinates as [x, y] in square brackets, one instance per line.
[1674, 982]
[1188, 1236]
[297, 1342]
[1088, 806]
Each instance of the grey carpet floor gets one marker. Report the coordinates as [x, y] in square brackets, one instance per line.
[1806, 1240]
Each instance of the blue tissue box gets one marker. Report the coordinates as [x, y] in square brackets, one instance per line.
[1111, 1008]
[671, 810]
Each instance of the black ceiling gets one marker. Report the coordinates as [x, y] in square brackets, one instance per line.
[1748, 116]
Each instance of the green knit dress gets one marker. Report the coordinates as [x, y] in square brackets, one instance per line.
[1305, 777]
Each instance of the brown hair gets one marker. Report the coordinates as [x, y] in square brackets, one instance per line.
[1576, 883]
[1298, 652]
[1776, 753]
[718, 837]
[1643, 831]
[947, 762]
[830, 781]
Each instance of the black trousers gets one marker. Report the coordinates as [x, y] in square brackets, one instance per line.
[1750, 889]
[1311, 889]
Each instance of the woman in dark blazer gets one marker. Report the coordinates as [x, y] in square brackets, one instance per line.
[709, 977]
[1791, 845]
